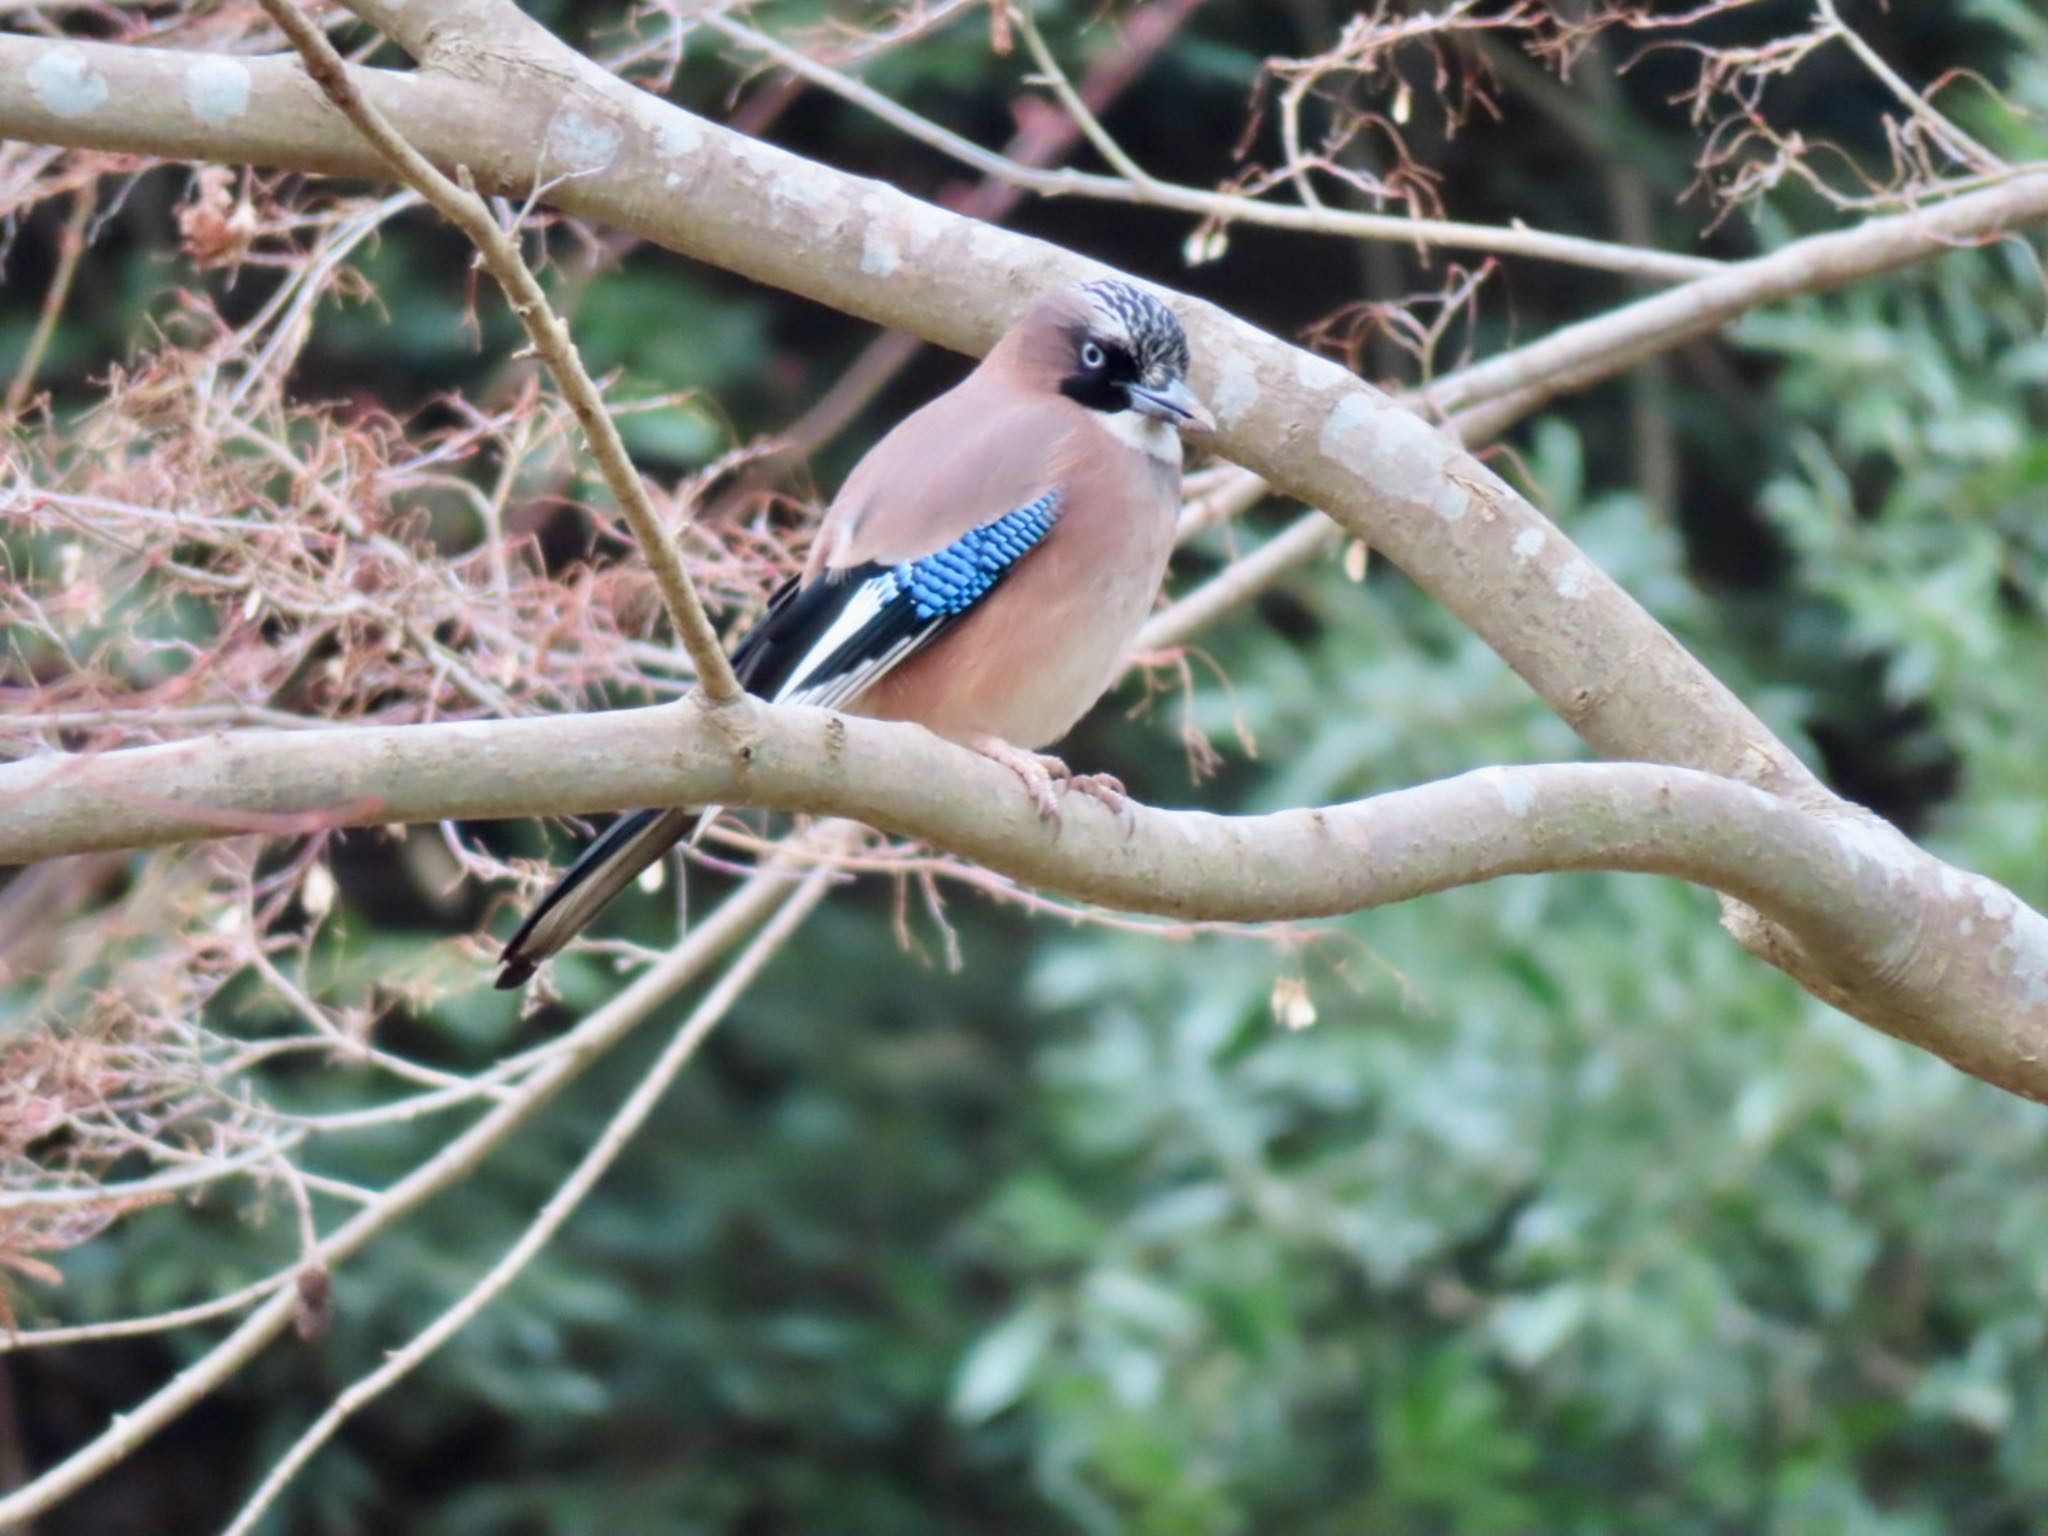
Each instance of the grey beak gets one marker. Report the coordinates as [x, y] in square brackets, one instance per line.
[1172, 401]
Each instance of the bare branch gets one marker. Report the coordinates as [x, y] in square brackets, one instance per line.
[551, 340]
[1486, 399]
[70, 247]
[1069, 98]
[1223, 207]
[1241, 580]
[1952, 138]
[224, 1305]
[1875, 924]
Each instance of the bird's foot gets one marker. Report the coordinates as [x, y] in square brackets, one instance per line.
[1106, 787]
[1038, 771]
[1046, 776]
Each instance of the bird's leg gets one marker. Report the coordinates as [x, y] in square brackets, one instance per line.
[1041, 771]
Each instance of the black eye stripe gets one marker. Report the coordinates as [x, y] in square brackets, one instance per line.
[1104, 386]
[1117, 361]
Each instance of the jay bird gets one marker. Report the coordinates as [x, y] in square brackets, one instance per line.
[981, 572]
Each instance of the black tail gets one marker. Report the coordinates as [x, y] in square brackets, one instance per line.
[607, 867]
[797, 616]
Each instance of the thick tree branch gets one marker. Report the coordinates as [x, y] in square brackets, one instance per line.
[1946, 959]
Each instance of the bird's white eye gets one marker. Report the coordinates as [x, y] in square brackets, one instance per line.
[1092, 355]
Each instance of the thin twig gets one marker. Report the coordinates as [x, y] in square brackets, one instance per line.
[1952, 138]
[156, 1322]
[1056, 78]
[1239, 582]
[461, 206]
[203, 1171]
[628, 1119]
[1513, 240]
[70, 247]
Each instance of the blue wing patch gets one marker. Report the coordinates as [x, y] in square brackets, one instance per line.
[952, 580]
[825, 643]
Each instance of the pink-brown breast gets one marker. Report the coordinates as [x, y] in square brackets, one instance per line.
[1036, 655]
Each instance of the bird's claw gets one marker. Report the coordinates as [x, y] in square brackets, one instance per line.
[1105, 787]
[1042, 783]
[1046, 777]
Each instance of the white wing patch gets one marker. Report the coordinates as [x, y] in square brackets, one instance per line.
[862, 608]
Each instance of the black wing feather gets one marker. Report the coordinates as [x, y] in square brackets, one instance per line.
[797, 619]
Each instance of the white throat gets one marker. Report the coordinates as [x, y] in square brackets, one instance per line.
[1148, 434]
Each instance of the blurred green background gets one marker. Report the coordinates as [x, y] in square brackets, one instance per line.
[1565, 1215]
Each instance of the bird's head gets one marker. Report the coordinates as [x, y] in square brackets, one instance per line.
[1114, 348]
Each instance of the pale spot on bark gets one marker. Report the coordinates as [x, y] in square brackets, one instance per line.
[1529, 543]
[879, 253]
[1397, 451]
[803, 184]
[2024, 949]
[217, 90]
[1517, 794]
[1237, 389]
[1313, 372]
[579, 145]
[677, 135]
[896, 224]
[918, 225]
[1992, 899]
[1346, 435]
[1574, 580]
[2030, 972]
[985, 243]
[65, 85]
[1879, 845]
